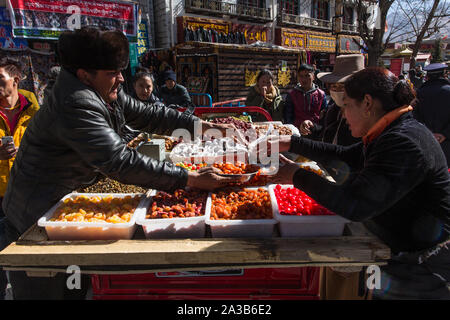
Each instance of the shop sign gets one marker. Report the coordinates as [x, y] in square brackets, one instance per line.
[47, 19]
[142, 38]
[194, 24]
[321, 43]
[41, 46]
[292, 39]
[253, 33]
[6, 38]
[133, 57]
[348, 45]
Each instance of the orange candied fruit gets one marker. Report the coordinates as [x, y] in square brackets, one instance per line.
[97, 209]
[244, 204]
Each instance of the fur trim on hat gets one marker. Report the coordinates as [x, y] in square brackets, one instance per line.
[91, 49]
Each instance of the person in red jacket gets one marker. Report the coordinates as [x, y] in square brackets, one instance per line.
[306, 100]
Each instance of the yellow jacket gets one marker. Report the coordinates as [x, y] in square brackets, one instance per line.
[30, 107]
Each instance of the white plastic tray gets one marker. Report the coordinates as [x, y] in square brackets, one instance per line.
[306, 226]
[251, 228]
[59, 230]
[170, 228]
[290, 126]
[293, 128]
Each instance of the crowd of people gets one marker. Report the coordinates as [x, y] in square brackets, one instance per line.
[375, 136]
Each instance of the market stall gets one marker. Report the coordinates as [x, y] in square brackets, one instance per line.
[188, 244]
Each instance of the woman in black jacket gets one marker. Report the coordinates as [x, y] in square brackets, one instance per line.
[395, 180]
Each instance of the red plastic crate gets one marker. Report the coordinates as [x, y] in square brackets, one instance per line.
[259, 283]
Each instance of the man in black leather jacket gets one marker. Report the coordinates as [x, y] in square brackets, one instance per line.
[80, 135]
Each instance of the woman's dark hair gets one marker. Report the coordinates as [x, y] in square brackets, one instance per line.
[306, 67]
[264, 72]
[142, 73]
[11, 66]
[381, 84]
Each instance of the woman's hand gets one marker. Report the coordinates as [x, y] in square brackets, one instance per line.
[286, 171]
[8, 151]
[305, 127]
[208, 179]
[264, 92]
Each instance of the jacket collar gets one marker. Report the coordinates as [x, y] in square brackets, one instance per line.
[439, 80]
[68, 84]
[300, 88]
[384, 122]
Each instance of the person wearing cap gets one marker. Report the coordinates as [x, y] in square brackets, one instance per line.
[306, 100]
[332, 127]
[79, 136]
[173, 93]
[433, 105]
[17, 107]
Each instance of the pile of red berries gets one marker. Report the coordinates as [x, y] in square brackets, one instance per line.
[292, 201]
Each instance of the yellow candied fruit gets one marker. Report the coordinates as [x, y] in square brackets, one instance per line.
[97, 209]
[114, 219]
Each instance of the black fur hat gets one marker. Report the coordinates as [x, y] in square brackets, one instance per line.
[92, 49]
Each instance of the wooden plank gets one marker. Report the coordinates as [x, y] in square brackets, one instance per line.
[51, 271]
[231, 77]
[233, 83]
[40, 273]
[238, 70]
[358, 229]
[225, 59]
[195, 251]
